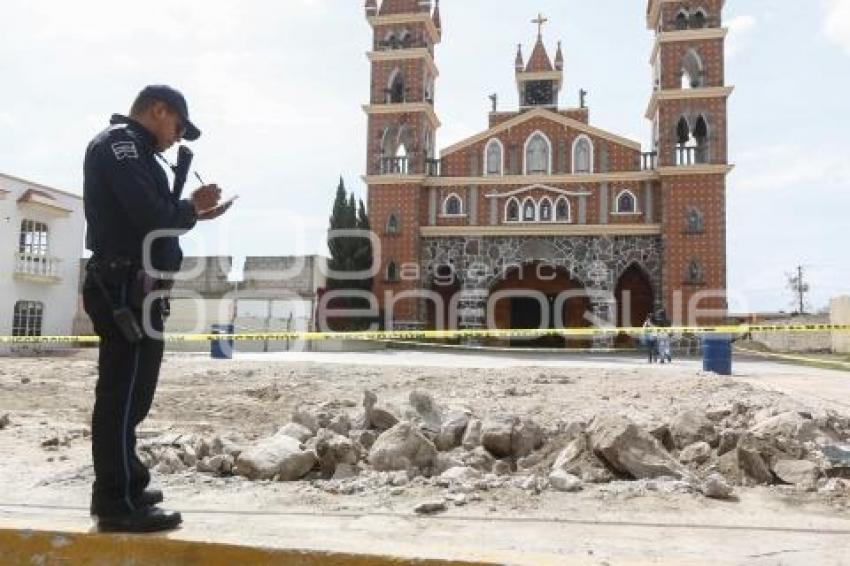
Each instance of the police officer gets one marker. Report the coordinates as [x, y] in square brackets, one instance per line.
[127, 198]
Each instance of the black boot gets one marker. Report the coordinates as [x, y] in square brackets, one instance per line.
[142, 520]
[148, 498]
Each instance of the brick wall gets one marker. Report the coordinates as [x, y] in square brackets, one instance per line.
[620, 157]
[707, 194]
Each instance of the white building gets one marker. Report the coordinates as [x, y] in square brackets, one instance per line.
[41, 240]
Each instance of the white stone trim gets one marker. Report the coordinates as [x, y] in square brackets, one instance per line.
[562, 192]
[445, 206]
[546, 229]
[620, 194]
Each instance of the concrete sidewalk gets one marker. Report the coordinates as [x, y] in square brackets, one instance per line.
[723, 533]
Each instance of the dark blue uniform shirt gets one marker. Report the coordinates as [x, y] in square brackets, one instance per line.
[127, 196]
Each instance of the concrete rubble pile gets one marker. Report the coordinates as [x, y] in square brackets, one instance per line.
[709, 451]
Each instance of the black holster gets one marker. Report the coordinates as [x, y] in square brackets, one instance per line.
[122, 273]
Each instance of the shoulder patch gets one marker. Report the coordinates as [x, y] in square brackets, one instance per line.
[125, 150]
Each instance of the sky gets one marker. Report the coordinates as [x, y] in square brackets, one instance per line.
[277, 87]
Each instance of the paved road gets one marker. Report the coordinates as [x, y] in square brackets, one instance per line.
[805, 382]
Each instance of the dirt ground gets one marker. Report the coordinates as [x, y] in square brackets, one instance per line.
[46, 447]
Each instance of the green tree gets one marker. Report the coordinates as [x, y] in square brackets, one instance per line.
[349, 253]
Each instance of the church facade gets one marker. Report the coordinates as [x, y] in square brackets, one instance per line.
[543, 219]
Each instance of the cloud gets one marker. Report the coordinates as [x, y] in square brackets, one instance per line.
[791, 166]
[837, 25]
[740, 28]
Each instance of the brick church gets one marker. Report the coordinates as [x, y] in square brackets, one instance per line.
[543, 218]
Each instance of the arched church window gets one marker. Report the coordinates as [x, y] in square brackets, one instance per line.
[400, 163]
[453, 206]
[562, 210]
[626, 202]
[582, 155]
[682, 20]
[493, 156]
[686, 144]
[512, 211]
[701, 140]
[392, 224]
[693, 74]
[537, 155]
[392, 271]
[529, 211]
[699, 19]
[396, 90]
[545, 210]
[390, 40]
[428, 83]
[683, 131]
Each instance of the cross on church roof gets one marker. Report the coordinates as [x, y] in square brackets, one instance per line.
[540, 20]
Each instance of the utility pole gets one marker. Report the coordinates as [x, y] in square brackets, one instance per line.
[798, 285]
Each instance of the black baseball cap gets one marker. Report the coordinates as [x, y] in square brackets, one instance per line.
[177, 102]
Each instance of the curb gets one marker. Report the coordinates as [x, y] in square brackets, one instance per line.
[24, 546]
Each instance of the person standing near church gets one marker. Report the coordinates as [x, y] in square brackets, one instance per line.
[650, 338]
[127, 201]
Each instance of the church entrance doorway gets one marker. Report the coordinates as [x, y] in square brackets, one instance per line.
[635, 301]
[535, 296]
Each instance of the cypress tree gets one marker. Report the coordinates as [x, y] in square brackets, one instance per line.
[349, 254]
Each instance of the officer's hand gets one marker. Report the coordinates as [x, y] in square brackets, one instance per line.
[217, 211]
[206, 198]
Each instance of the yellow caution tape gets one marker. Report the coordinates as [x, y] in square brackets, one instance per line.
[786, 357]
[446, 334]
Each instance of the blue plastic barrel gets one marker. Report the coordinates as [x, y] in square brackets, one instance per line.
[717, 354]
[222, 349]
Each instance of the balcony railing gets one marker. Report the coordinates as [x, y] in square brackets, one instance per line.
[393, 165]
[433, 167]
[37, 266]
[648, 161]
[691, 155]
[409, 166]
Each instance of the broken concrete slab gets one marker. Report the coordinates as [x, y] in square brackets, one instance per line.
[630, 450]
[401, 448]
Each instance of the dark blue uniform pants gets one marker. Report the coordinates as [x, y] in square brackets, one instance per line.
[127, 378]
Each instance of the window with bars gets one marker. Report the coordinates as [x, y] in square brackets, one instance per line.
[33, 239]
[28, 318]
